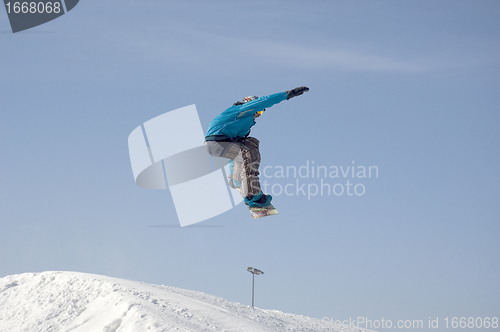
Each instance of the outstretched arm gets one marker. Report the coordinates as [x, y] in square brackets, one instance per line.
[268, 101]
[264, 102]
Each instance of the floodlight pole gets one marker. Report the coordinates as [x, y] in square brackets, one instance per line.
[253, 277]
[253, 272]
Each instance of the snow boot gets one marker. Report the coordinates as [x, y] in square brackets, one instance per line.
[259, 200]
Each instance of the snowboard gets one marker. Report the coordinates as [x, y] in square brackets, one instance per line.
[259, 212]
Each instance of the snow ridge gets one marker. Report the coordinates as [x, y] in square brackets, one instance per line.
[79, 302]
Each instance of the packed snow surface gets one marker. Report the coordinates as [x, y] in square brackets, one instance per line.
[79, 302]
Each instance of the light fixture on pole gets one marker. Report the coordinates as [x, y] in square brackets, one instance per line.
[253, 272]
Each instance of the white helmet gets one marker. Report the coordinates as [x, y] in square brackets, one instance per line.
[249, 98]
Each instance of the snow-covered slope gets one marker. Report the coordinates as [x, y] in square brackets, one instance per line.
[78, 302]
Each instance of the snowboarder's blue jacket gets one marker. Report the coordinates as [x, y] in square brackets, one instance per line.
[237, 120]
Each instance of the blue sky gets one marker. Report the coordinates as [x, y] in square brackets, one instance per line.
[410, 87]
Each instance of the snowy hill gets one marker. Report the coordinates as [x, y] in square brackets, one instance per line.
[78, 302]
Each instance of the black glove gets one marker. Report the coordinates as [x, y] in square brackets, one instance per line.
[296, 92]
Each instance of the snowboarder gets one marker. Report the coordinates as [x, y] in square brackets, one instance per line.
[228, 137]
